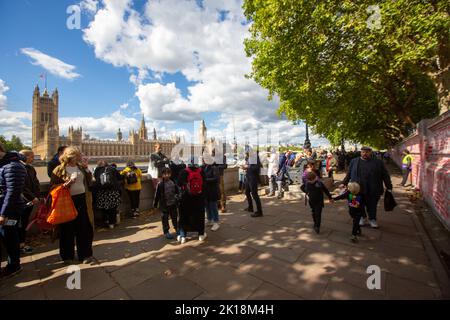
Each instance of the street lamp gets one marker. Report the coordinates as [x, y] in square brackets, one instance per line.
[307, 143]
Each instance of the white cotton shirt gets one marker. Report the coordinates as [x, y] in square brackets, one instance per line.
[78, 186]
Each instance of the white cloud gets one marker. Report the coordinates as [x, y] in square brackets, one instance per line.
[3, 98]
[124, 106]
[89, 5]
[51, 64]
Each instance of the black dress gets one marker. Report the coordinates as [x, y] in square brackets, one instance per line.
[192, 208]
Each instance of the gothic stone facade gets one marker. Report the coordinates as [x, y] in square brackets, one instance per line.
[46, 138]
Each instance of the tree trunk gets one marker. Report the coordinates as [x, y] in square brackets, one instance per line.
[441, 78]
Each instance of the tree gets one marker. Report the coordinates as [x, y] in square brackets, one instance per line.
[15, 144]
[345, 77]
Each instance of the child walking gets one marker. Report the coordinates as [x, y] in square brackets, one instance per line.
[315, 189]
[355, 207]
[166, 197]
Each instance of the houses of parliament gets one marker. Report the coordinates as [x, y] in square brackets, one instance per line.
[46, 138]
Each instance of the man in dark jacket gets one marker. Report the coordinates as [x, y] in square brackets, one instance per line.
[52, 164]
[370, 173]
[223, 197]
[253, 171]
[158, 161]
[12, 181]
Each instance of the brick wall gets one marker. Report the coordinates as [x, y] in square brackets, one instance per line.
[429, 145]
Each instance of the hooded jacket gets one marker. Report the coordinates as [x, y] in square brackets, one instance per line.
[12, 183]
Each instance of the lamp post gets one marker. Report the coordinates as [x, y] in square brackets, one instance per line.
[307, 143]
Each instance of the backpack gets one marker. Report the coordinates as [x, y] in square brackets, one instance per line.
[108, 177]
[194, 181]
[132, 178]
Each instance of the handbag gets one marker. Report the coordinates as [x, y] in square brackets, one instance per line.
[40, 217]
[389, 201]
[62, 209]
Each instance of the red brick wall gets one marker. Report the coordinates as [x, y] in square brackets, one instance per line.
[429, 146]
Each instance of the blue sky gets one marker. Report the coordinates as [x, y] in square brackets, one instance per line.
[174, 61]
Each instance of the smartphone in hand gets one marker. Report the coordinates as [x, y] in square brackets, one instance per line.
[10, 223]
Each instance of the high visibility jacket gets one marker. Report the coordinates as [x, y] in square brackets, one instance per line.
[407, 161]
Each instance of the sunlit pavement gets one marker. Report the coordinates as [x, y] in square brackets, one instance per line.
[277, 256]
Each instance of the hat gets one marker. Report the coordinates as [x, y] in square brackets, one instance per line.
[366, 148]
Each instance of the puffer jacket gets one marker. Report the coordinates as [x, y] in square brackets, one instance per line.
[12, 183]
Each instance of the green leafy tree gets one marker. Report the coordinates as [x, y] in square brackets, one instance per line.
[15, 144]
[348, 71]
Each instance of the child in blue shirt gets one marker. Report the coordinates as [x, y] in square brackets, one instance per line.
[355, 207]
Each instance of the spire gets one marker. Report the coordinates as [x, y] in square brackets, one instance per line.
[143, 122]
[154, 134]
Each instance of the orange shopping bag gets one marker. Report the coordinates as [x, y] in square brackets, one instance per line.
[62, 210]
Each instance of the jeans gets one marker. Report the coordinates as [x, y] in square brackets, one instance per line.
[78, 231]
[251, 191]
[223, 198]
[316, 211]
[370, 205]
[171, 212]
[241, 181]
[212, 212]
[134, 199]
[9, 235]
[405, 173]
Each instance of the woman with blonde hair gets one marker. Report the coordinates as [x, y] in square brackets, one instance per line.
[74, 174]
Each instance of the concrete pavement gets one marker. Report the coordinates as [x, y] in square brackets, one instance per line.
[277, 256]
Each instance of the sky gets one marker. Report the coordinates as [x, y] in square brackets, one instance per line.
[175, 62]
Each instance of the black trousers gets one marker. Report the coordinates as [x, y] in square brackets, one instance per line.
[24, 218]
[405, 173]
[356, 216]
[78, 231]
[9, 236]
[316, 210]
[171, 212]
[134, 199]
[370, 206]
[251, 191]
[110, 215]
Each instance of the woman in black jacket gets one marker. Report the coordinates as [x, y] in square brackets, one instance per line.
[31, 193]
[108, 196]
[212, 194]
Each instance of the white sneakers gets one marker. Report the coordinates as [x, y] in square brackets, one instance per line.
[215, 227]
[203, 237]
[363, 221]
[183, 240]
[372, 223]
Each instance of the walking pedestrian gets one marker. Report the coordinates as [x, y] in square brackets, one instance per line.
[74, 174]
[12, 183]
[370, 174]
[166, 198]
[271, 172]
[251, 187]
[355, 207]
[132, 177]
[315, 189]
[32, 195]
[108, 195]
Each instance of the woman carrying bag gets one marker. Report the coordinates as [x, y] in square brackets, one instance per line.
[74, 175]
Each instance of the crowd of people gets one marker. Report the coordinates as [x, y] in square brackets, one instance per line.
[191, 195]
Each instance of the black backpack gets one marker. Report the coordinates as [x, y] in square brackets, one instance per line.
[108, 177]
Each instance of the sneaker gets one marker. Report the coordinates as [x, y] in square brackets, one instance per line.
[362, 222]
[8, 272]
[374, 224]
[202, 237]
[215, 227]
[354, 239]
[169, 236]
[26, 250]
[183, 240]
[88, 260]
[111, 226]
[178, 238]
[256, 214]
